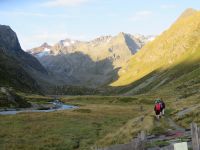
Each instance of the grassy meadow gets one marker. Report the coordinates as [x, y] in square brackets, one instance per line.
[99, 121]
[94, 124]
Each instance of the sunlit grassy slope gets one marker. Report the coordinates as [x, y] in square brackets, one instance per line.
[169, 67]
[170, 54]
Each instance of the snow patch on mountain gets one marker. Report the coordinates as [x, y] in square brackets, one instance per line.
[67, 42]
[43, 53]
[151, 38]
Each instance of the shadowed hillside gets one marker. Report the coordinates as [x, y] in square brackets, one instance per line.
[79, 69]
[17, 68]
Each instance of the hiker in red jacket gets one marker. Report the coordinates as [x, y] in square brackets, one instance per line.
[157, 108]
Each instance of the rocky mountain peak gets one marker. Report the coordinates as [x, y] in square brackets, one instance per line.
[102, 39]
[45, 44]
[122, 33]
[188, 12]
[8, 39]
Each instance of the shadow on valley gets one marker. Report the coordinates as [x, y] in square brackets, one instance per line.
[13, 74]
[183, 77]
[77, 73]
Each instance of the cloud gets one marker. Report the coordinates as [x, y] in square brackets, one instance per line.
[168, 6]
[141, 15]
[63, 3]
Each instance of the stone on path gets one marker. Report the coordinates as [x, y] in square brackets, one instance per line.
[181, 146]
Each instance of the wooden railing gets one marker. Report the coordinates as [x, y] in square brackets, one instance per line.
[139, 142]
[195, 133]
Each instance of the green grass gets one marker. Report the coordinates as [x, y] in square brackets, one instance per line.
[80, 129]
[100, 121]
[114, 100]
[157, 143]
[128, 131]
[187, 119]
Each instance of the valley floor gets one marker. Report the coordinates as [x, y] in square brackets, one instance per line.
[100, 121]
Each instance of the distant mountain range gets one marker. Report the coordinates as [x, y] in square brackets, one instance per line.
[126, 64]
[93, 63]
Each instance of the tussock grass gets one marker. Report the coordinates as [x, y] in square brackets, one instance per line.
[127, 132]
[70, 129]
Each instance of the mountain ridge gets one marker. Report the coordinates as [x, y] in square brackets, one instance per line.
[109, 51]
[158, 62]
[17, 68]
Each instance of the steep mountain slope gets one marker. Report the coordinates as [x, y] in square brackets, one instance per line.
[94, 63]
[17, 68]
[172, 56]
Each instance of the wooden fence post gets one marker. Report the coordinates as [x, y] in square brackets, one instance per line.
[199, 137]
[170, 147]
[195, 132]
[136, 144]
[141, 141]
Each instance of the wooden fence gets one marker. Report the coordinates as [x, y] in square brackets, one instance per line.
[195, 133]
[139, 142]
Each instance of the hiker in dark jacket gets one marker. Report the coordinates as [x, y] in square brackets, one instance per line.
[162, 107]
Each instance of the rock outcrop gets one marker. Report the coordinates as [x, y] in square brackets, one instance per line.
[8, 98]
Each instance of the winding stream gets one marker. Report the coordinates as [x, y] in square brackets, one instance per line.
[57, 107]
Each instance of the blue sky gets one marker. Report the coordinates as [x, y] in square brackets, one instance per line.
[38, 21]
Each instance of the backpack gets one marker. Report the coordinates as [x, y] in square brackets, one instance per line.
[158, 107]
[161, 105]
